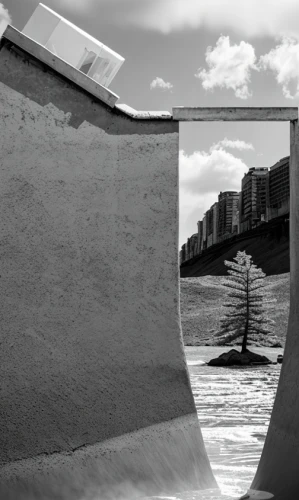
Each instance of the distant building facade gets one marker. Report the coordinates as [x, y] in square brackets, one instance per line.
[265, 194]
[199, 235]
[204, 233]
[278, 189]
[210, 225]
[192, 246]
[253, 205]
[228, 205]
[215, 209]
[183, 255]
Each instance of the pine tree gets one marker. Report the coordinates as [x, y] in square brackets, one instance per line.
[246, 317]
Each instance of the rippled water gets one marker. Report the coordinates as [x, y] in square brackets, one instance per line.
[233, 406]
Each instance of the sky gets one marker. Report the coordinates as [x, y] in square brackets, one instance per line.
[198, 53]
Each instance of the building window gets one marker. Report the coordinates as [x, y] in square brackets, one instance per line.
[87, 61]
[102, 69]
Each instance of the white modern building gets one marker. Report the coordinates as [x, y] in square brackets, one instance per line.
[73, 45]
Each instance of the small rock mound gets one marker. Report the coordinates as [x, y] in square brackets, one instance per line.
[234, 357]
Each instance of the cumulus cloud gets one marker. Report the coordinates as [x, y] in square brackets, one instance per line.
[159, 83]
[215, 171]
[202, 176]
[192, 209]
[283, 60]
[5, 18]
[229, 67]
[78, 5]
[233, 144]
[247, 17]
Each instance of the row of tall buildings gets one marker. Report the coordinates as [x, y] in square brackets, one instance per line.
[264, 195]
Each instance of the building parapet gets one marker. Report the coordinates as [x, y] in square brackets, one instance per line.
[42, 54]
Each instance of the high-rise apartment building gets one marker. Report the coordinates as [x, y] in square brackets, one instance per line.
[204, 232]
[253, 206]
[227, 214]
[210, 226]
[183, 253]
[215, 209]
[278, 189]
[199, 235]
[265, 195]
[191, 246]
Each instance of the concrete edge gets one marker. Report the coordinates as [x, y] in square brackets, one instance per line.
[144, 115]
[195, 113]
[169, 456]
[85, 82]
[44, 55]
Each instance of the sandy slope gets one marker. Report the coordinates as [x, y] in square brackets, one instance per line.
[201, 306]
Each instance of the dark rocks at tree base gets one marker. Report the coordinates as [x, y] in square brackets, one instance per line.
[234, 357]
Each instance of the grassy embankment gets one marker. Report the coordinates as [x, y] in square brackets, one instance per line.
[202, 307]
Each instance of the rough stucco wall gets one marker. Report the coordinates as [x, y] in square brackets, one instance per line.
[167, 457]
[91, 342]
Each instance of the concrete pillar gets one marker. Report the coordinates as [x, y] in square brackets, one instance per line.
[96, 399]
[278, 468]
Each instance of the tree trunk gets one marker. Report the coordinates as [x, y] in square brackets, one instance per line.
[244, 343]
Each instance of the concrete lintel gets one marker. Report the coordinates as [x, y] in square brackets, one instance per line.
[182, 113]
[44, 55]
[144, 115]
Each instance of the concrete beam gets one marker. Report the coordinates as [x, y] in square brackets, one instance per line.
[192, 114]
[144, 115]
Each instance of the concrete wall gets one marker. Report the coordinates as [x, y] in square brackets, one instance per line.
[278, 468]
[92, 360]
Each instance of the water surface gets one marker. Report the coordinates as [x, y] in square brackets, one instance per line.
[234, 407]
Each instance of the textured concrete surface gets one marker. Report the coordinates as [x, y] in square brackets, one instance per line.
[216, 114]
[91, 346]
[278, 467]
[164, 457]
[144, 115]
